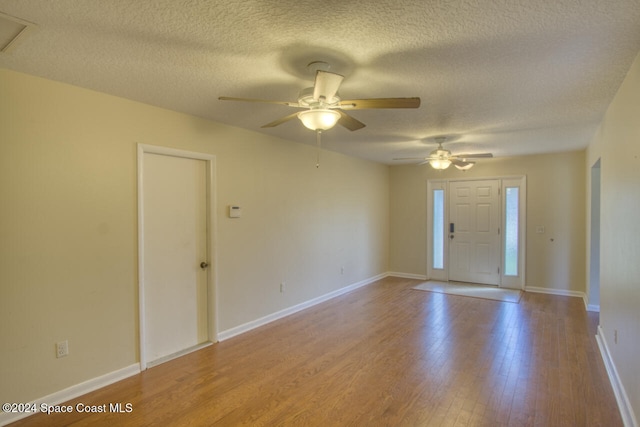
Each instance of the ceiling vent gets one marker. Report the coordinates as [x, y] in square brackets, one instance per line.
[12, 30]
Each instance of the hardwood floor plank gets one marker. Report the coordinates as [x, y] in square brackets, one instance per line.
[382, 355]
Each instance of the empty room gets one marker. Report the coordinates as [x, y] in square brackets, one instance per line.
[407, 213]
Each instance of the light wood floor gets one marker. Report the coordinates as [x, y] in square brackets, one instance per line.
[383, 355]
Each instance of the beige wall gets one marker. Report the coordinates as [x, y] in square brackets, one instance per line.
[555, 200]
[617, 144]
[68, 232]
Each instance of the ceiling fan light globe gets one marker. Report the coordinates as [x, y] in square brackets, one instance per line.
[440, 164]
[319, 119]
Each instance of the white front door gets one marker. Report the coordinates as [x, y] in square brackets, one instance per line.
[474, 231]
[174, 222]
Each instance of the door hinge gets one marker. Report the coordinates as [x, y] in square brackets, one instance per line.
[498, 270]
[498, 230]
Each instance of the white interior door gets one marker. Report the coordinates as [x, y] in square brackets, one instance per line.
[174, 221]
[474, 231]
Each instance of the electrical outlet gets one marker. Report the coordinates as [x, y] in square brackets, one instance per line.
[282, 286]
[62, 349]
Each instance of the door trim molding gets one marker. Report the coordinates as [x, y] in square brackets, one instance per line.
[212, 308]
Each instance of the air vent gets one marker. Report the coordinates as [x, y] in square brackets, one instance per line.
[12, 30]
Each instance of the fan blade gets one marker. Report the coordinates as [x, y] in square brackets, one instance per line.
[349, 122]
[326, 85]
[459, 162]
[360, 104]
[423, 160]
[280, 121]
[266, 101]
[474, 156]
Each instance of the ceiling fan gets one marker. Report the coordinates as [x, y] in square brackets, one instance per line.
[323, 107]
[441, 159]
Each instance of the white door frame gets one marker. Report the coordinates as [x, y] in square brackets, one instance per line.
[517, 282]
[593, 284]
[212, 309]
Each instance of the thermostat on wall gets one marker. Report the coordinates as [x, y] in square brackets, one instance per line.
[234, 211]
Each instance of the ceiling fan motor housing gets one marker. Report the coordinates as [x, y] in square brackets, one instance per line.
[440, 153]
[305, 99]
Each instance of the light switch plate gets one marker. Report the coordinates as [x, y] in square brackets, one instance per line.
[234, 211]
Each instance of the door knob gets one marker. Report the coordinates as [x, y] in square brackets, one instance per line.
[203, 265]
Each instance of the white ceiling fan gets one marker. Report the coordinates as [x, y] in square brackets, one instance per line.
[441, 159]
[322, 106]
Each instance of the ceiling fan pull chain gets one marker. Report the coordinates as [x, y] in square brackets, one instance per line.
[318, 132]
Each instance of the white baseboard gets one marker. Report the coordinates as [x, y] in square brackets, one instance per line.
[593, 307]
[561, 292]
[565, 293]
[75, 391]
[626, 411]
[407, 275]
[229, 333]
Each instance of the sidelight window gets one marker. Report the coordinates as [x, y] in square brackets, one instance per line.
[511, 255]
[438, 229]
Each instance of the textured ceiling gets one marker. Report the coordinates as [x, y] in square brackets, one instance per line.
[510, 77]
